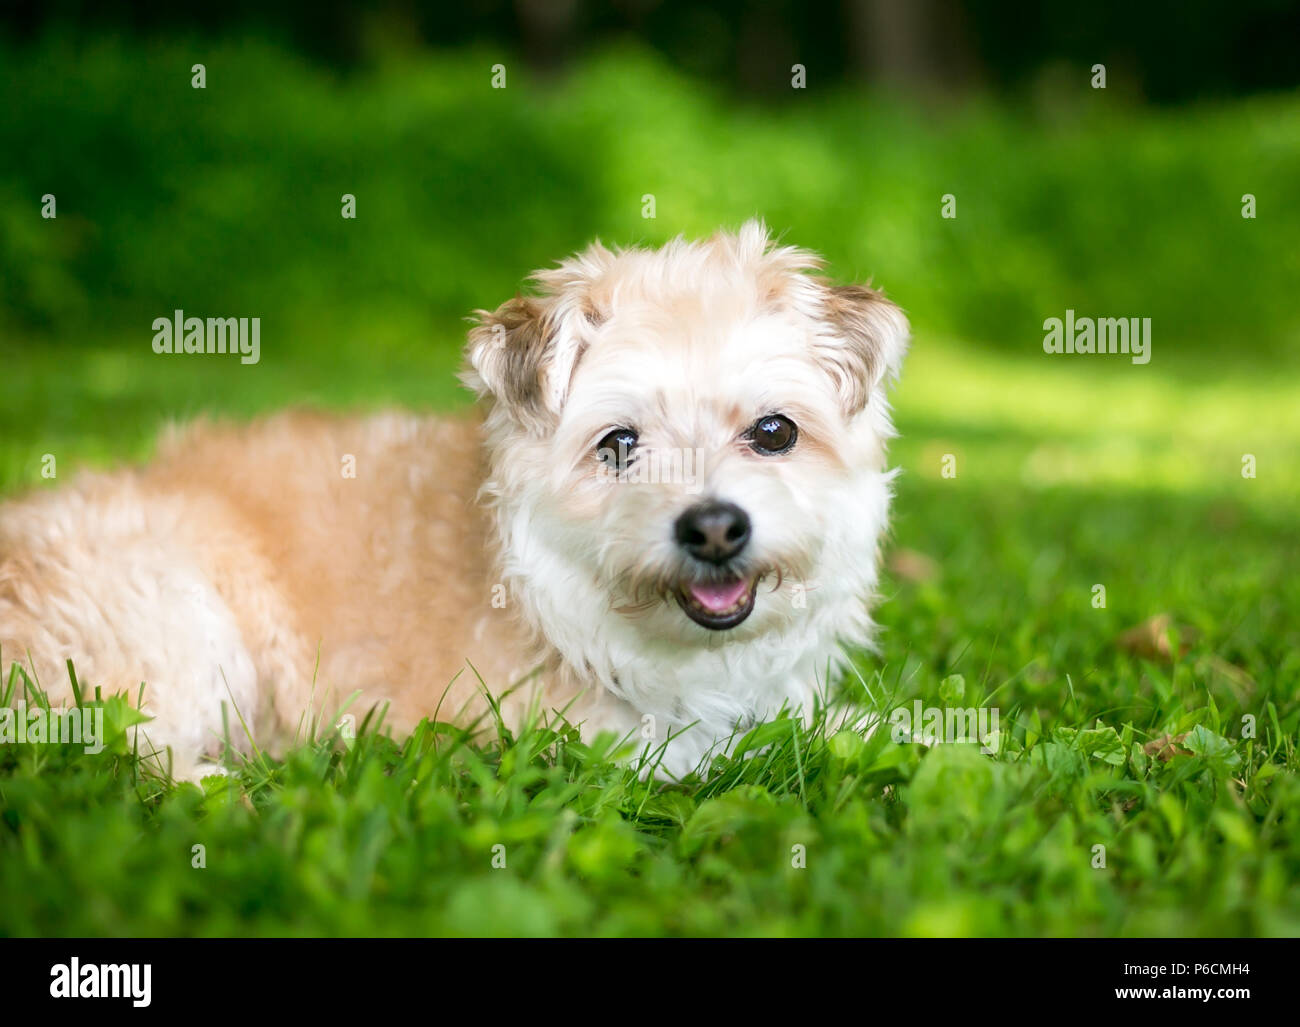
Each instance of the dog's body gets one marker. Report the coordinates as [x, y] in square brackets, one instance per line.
[284, 565]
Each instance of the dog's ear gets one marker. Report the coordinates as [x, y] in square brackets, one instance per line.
[522, 355]
[865, 345]
[507, 353]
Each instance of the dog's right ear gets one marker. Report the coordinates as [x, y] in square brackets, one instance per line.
[508, 354]
[522, 355]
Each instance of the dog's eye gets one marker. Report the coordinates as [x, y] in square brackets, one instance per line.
[773, 434]
[615, 449]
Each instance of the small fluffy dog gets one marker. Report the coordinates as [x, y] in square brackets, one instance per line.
[663, 519]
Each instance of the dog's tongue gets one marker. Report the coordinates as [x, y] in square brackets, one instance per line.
[716, 598]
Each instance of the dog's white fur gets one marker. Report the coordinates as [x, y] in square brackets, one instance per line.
[242, 556]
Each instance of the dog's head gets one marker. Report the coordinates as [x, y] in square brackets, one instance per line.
[683, 431]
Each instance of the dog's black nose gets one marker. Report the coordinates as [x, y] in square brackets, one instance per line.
[713, 531]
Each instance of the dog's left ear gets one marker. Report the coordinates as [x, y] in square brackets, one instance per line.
[866, 343]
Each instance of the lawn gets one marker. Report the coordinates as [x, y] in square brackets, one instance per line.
[1146, 778]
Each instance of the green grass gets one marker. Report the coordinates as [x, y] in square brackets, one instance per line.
[1070, 473]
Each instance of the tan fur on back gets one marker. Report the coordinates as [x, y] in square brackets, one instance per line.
[390, 572]
[384, 577]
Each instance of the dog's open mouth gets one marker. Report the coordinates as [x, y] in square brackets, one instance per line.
[717, 605]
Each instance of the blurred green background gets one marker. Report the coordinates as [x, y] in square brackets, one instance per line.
[227, 200]
[1071, 470]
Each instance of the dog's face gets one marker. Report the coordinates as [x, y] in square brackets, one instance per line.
[686, 429]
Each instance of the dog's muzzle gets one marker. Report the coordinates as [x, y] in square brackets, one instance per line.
[715, 533]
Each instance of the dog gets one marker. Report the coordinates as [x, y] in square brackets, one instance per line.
[662, 518]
